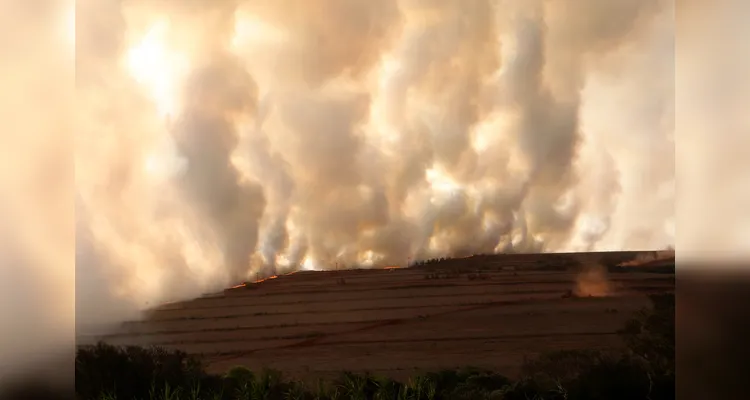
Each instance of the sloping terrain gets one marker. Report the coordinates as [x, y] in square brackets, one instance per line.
[489, 311]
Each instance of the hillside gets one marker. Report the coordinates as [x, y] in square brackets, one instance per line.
[489, 311]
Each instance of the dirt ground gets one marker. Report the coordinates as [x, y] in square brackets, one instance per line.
[395, 321]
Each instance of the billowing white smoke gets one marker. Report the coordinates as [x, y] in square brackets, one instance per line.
[220, 139]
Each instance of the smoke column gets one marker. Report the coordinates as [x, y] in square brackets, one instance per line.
[220, 139]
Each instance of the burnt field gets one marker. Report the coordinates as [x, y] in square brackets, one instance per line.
[485, 311]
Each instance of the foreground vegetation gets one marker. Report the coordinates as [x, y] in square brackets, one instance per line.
[644, 370]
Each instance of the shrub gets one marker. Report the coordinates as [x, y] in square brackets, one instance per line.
[620, 378]
[651, 334]
[539, 387]
[238, 381]
[357, 387]
[133, 372]
[387, 389]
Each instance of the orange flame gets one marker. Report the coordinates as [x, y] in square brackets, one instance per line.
[241, 285]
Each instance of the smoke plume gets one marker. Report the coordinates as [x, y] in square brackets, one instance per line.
[227, 138]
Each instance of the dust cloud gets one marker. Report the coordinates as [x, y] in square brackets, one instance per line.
[593, 282]
[218, 140]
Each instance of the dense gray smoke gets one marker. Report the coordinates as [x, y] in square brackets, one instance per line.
[222, 139]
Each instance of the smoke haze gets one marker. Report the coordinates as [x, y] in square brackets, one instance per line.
[712, 88]
[222, 139]
[37, 289]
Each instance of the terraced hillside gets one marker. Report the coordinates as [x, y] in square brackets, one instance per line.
[391, 321]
